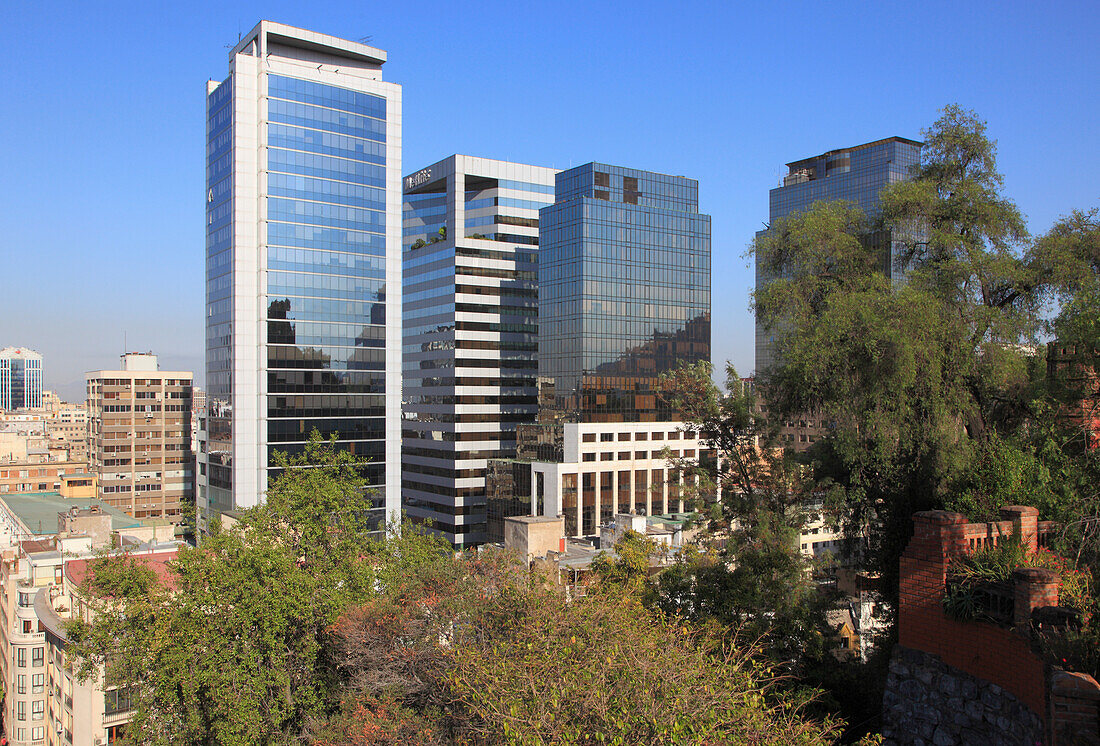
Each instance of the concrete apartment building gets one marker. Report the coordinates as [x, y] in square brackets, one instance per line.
[471, 233]
[140, 437]
[303, 263]
[46, 541]
[20, 379]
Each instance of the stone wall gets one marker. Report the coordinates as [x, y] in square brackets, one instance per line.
[928, 702]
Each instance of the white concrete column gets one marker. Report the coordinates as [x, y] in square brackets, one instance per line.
[580, 505]
[596, 508]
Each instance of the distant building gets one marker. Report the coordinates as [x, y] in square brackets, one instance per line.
[303, 263]
[857, 174]
[140, 437]
[471, 233]
[20, 379]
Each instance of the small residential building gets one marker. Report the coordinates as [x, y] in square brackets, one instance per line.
[140, 437]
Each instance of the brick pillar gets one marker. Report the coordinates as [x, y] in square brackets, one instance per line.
[938, 535]
[1026, 519]
[1074, 707]
[1034, 588]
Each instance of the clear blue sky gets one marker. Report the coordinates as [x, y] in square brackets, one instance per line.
[101, 125]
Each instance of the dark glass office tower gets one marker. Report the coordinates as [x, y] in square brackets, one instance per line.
[856, 174]
[624, 292]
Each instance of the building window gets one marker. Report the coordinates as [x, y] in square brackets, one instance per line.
[38, 683]
[116, 700]
[20, 710]
[38, 709]
[624, 455]
[589, 457]
[21, 657]
[38, 733]
[607, 437]
[624, 436]
[589, 437]
[602, 179]
[21, 684]
[641, 454]
[38, 657]
[26, 626]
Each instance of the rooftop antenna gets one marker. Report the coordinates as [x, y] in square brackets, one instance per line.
[366, 39]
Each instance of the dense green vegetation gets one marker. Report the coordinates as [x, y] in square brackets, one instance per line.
[293, 626]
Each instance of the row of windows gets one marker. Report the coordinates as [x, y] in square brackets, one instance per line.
[637, 455]
[331, 239]
[325, 167]
[342, 123]
[328, 262]
[333, 97]
[325, 190]
[325, 143]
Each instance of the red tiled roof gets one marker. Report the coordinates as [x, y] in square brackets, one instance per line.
[77, 570]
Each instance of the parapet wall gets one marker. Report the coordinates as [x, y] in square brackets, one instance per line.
[981, 649]
[1010, 684]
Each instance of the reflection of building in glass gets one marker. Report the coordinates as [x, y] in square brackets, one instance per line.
[624, 296]
[20, 379]
[303, 237]
[470, 332]
[856, 174]
[624, 291]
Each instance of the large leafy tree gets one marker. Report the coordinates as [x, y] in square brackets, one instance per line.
[486, 653]
[746, 570]
[913, 378]
[232, 650]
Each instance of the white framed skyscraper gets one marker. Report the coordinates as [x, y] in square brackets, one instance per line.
[20, 379]
[303, 262]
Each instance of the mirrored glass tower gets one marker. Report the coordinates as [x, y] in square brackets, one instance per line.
[303, 252]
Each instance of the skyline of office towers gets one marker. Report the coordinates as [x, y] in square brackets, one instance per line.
[624, 291]
[857, 174]
[139, 437]
[20, 379]
[303, 298]
[471, 235]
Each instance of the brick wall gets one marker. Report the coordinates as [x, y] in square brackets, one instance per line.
[979, 648]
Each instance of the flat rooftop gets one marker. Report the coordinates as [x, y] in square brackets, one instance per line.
[38, 510]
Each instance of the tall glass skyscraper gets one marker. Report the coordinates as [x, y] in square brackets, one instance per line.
[470, 329]
[303, 293]
[624, 291]
[20, 379]
[624, 296]
[857, 174]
